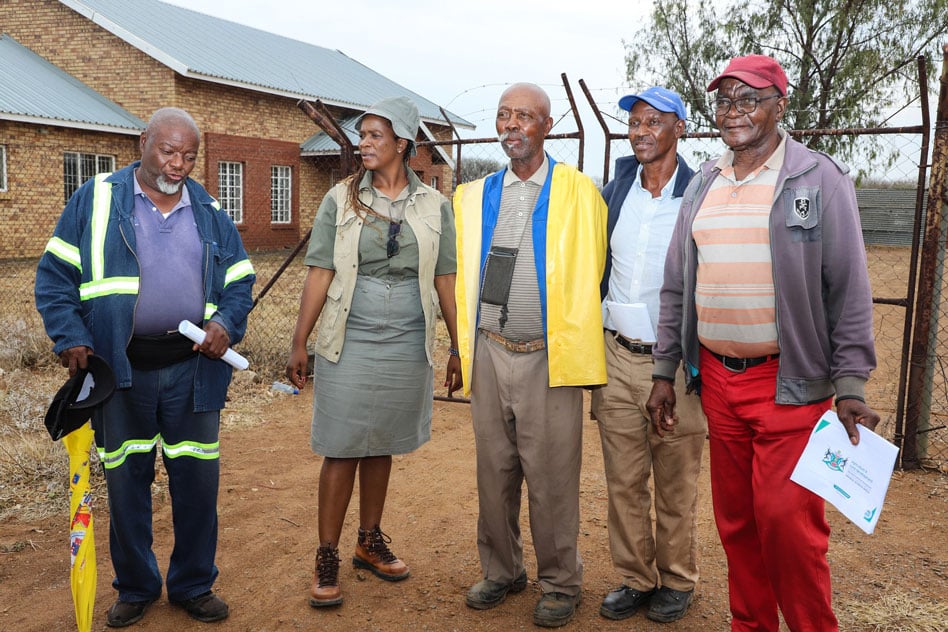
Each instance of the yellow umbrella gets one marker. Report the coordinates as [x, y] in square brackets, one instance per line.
[81, 541]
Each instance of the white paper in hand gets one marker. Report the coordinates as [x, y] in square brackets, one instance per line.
[853, 478]
[196, 334]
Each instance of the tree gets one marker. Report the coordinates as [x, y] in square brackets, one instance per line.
[847, 61]
[474, 168]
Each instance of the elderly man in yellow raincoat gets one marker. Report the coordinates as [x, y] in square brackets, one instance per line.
[531, 252]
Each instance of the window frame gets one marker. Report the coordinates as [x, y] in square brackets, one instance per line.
[281, 197]
[84, 162]
[3, 168]
[231, 194]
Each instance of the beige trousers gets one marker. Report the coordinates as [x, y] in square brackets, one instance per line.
[525, 430]
[631, 453]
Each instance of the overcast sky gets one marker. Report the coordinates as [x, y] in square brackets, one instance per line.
[460, 54]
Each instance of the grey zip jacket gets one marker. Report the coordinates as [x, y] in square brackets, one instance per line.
[821, 283]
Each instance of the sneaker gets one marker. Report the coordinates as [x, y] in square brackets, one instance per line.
[555, 609]
[669, 605]
[326, 591]
[487, 593]
[124, 613]
[622, 602]
[372, 554]
[205, 608]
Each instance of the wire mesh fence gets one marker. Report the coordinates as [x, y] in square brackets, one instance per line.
[892, 264]
[885, 160]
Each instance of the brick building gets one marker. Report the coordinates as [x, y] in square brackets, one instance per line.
[78, 79]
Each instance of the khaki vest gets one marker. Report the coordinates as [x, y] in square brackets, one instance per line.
[423, 215]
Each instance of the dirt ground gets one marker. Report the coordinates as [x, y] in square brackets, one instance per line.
[895, 579]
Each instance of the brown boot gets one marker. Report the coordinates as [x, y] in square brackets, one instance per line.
[372, 553]
[325, 591]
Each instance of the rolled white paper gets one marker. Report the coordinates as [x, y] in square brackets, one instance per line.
[196, 334]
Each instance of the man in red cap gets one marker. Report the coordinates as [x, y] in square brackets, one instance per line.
[766, 300]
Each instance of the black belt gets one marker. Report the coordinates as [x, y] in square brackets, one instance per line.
[739, 365]
[634, 347]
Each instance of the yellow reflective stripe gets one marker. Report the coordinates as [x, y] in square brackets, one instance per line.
[65, 251]
[99, 285]
[238, 271]
[101, 202]
[209, 309]
[115, 458]
[205, 451]
[113, 285]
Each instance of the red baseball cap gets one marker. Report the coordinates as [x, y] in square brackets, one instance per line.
[757, 71]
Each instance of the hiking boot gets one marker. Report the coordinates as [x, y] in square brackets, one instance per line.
[205, 608]
[487, 593]
[124, 613]
[669, 605]
[555, 609]
[371, 553]
[325, 590]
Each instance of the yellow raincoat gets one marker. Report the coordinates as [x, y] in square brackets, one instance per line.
[575, 255]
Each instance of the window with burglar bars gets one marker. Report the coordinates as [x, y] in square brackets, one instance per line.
[230, 188]
[78, 167]
[280, 194]
[3, 167]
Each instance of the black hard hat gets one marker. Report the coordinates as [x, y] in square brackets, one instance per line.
[94, 385]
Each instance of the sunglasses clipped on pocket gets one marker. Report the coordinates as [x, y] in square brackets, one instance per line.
[391, 247]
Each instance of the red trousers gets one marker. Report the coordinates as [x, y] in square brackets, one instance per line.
[774, 532]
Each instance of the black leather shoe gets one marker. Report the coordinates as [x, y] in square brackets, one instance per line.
[205, 608]
[486, 593]
[622, 602]
[555, 609]
[124, 613]
[669, 605]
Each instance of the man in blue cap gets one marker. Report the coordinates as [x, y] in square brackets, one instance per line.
[658, 571]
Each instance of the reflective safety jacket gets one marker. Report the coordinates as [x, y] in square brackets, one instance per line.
[569, 244]
[88, 278]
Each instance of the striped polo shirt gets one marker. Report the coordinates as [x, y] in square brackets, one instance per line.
[734, 293]
[523, 318]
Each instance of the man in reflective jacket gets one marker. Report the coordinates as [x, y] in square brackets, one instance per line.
[135, 253]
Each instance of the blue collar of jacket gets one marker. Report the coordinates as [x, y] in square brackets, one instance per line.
[493, 189]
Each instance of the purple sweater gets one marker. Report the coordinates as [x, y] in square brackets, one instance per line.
[821, 283]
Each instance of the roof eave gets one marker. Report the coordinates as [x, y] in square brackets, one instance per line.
[83, 125]
[233, 83]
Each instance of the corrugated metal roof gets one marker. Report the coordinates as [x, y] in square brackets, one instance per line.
[214, 49]
[34, 90]
[321, 143]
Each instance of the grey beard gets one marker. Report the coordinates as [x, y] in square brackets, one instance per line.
[168, 188]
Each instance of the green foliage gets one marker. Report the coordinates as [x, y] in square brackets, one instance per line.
[848, 62]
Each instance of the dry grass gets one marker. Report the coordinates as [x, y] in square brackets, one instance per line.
[896, 610]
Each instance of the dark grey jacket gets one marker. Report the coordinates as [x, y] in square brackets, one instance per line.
[821, 282]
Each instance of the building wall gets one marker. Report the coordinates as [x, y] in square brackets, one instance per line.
[33, 201]
[257, 156]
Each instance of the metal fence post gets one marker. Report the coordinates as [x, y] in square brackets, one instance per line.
[927, 309]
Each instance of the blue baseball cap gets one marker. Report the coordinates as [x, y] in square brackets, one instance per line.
[662, 99]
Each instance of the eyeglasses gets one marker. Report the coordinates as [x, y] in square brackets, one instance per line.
[744, 105]
[391, 248]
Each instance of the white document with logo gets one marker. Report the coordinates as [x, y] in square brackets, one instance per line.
[854, 479]
[632, 321]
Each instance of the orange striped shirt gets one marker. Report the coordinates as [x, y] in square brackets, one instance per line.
[734, 295]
